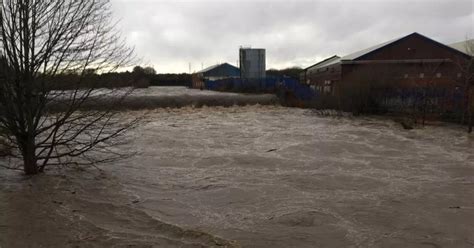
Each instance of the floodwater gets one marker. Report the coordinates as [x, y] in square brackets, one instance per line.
[174, 97]
[256, 176]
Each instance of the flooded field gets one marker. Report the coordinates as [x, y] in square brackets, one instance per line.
[256, 176]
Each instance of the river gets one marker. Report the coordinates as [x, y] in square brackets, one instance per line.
[255, 176]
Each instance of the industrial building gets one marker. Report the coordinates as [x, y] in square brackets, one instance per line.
[252, 63]
[327, 72]
[215, 72]
[409, 61]
[250, 76]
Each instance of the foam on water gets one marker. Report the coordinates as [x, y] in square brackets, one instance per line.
[242, 172]
[269, 176]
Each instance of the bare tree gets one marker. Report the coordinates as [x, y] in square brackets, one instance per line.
[39, 40]
[466, 79]
[423, 78]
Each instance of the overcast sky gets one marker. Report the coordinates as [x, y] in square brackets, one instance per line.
[171, 34]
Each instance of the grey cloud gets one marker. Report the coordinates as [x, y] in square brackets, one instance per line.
[170, 34]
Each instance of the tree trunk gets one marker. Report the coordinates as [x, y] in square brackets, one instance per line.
[469, 129]
[30, 166]
[470, 109]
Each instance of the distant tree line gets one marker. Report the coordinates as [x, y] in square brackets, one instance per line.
[292, 72]
[166, 79]
[140, 77]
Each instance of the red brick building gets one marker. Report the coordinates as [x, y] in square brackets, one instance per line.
[407, 62]
[323, 75]
[404, 61]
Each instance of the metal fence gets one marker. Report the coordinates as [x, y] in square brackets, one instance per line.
[280, 85]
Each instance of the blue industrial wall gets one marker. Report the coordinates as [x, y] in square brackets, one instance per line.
[267, 85]
[297, 94]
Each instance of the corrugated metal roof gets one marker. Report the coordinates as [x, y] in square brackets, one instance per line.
[459, 47]
[463, 46]
[336, 59]
[329, 61]
[210, 68]
[220, 70]
[360, 53]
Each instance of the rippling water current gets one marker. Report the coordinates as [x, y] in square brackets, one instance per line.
[256, 176]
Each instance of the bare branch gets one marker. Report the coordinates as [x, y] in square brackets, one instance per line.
[40, 40]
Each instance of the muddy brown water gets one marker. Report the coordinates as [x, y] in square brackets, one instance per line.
[256, 176]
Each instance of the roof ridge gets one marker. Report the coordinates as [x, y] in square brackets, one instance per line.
[215, 66]
[365, 51]
[324, 60]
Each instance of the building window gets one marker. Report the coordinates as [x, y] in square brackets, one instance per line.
[422, 75]
[327, 89]
[327, 86]
[438, 75]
